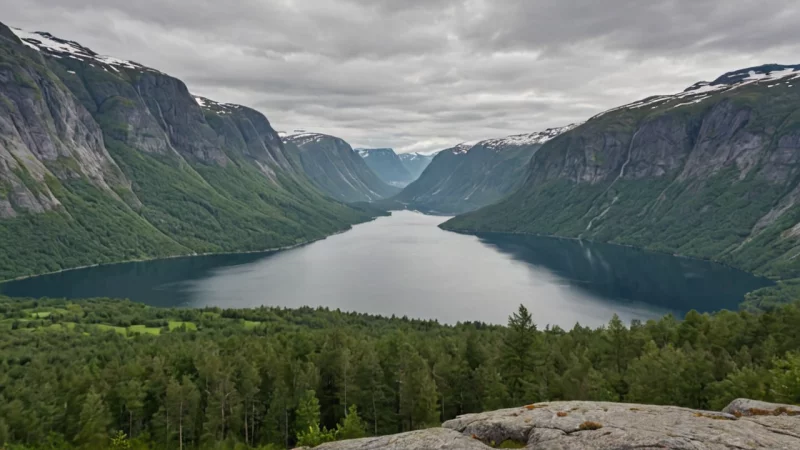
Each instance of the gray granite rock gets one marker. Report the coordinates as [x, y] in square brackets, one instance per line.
[604, 426]
[434, 438]
[747, 407]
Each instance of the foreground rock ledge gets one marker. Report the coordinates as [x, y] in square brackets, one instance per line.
[744, 424]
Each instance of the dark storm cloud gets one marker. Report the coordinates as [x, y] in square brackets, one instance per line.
[426, 74]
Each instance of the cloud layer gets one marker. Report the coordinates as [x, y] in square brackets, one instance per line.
[421, 75]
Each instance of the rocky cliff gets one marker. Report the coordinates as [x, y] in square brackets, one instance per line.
[335, 168]
[469, 176]
[711, 172]
[744, 424]
[387, 165]
[103, 160]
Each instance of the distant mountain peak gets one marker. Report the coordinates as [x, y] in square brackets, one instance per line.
[772, 74]
[519, 140]
[62, 48]
[463, 147]
[366, 152]
[300, 137]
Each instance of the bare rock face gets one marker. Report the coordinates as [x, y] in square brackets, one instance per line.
[434, 438]
[743, 407]
[744, 424]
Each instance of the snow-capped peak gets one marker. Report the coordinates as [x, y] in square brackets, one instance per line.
[463, 148]
[519, 140]
[60, 48]
[301, 137]
[696, 93]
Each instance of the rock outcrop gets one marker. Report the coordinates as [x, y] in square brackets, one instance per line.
[744, 424]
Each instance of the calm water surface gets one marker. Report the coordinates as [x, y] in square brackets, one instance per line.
[405, 265]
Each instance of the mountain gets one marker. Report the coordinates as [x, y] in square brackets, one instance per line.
[387, 165]
[336, 169]
[469, 176]
[415, 163]
[711, 172]
[106, 160]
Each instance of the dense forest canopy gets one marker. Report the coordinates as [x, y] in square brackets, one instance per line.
[114, 374]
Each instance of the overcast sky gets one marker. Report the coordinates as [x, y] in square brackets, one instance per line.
[421, 75]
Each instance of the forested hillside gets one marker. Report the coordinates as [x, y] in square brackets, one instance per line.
[711, 172]
[114, 374]
[106, 160]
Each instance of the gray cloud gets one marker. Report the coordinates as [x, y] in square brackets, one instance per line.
[421, 75]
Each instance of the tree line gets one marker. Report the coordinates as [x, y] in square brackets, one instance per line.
[114, 374]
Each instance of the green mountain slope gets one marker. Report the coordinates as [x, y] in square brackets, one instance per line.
[336, 169]
[105, 160]
[470, 176]
[711, 172]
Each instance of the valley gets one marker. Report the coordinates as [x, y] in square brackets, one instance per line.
[176, 273]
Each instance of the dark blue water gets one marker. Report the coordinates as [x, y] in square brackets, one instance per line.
[406, 265]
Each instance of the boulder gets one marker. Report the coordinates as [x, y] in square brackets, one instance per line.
[749, 408]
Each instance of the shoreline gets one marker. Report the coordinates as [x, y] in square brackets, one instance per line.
[554, 236]
[188, 255]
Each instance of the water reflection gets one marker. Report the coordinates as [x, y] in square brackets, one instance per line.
[624, 274]
[406, 265]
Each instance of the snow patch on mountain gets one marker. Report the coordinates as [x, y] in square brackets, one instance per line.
[703, 90]
[305, 138]
[463, 148]
[519, 140]
[61, 48]
[211, 105]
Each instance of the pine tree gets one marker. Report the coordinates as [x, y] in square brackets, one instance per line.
[307, 415]
[418, 405]
[132, 395]
[309, 431]
[352, 427]
[94, 422]
[786, 376]
[518, 353]
[182, 402]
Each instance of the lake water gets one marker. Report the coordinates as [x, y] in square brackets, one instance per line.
[406, 265]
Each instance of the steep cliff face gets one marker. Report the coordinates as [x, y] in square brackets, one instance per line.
[105, 160]
[470, 176]
[387, 165]
[710, 172]
[335, 168]
[45, 133]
